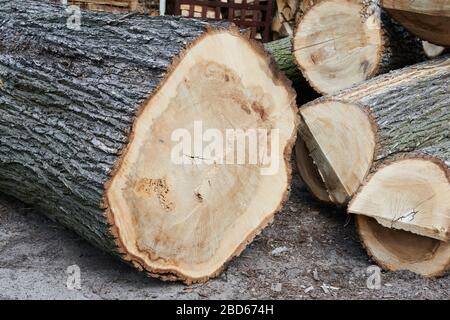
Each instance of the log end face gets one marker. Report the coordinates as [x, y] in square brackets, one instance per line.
[403, 215]
[338, 44]
[397, 250]
[309, 172]
[183, 201]
[409, 194]
[340, 139]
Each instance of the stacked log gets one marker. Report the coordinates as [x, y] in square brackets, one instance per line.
[87, 133]
[397, 122]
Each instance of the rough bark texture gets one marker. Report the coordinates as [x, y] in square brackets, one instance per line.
[409, 107]
[68, 99]
[401, 48]
[440, 151]
[409, 111]
[281, 51]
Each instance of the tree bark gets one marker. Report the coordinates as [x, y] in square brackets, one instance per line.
[384, 118]
[385, 145]
[340, 43]
[76, 107]
[281, 51]
[428, 19]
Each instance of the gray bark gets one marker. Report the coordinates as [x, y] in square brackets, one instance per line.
[409, 110]
[412, 114]
[68, 99]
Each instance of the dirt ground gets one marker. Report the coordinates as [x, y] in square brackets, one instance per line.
[319, 257]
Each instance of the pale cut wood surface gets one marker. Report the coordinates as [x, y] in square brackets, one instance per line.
[340, 43]
[409, 109]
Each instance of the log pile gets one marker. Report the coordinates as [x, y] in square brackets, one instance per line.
[385, 145]
[88, 116]
[87, 133]
[380, 145]
[378, 142]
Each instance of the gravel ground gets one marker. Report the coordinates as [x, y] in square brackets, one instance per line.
[317, 256]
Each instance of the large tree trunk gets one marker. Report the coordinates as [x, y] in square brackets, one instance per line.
[89, 124]
[403, 211]
[348, 134]
[340, 43]
[428, 19]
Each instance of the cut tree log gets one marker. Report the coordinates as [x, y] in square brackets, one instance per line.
[412, 195]
[348, 134]
[281, 51]
[428, 19]
[87, 124]
[340, 43]
[396, 250]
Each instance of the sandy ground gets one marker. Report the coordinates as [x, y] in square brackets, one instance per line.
[323, 254]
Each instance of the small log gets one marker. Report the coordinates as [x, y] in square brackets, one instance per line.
[340, 43]
[86, 133]
[428, 19]
[348, 134]
[403, 212]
